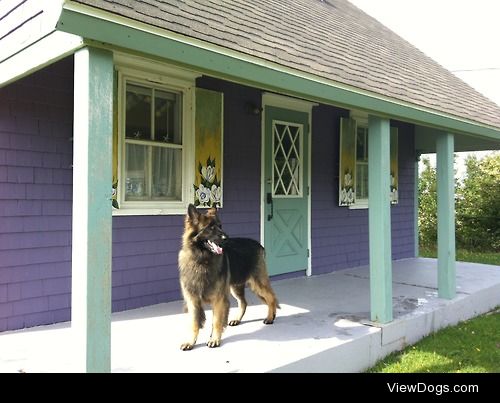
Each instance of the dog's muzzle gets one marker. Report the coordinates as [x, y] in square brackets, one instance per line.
[214, 248]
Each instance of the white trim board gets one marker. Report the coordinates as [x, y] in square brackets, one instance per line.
[49, 49]
[281, 101]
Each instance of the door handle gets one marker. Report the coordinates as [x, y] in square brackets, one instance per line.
[269, 200]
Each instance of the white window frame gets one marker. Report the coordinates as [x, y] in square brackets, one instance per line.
[361, 119]
[300, 151]
[163, 77]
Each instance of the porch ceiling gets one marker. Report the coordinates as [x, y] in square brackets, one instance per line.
[425, 141]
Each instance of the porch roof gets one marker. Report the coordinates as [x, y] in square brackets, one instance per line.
[331, 39]
[324, 51]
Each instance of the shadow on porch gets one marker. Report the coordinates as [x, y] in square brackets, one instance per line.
[323, 326]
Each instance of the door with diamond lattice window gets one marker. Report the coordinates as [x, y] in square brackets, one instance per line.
[286, 190]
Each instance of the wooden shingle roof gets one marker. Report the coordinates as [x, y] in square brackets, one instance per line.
[331, 39]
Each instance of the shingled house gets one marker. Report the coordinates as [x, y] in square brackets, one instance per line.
[302, 121]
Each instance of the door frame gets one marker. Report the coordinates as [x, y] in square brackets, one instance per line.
[294, 104]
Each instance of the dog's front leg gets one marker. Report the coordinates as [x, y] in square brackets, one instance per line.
[197, 317]
[221, 311]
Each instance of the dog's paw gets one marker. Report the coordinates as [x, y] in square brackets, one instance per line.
[268, 321]
[186, 346]
[213, 343]
[234, 322]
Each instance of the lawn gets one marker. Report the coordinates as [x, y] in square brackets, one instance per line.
[470, 346]
[467, 256]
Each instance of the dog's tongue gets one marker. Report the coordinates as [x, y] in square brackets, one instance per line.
[214, 248]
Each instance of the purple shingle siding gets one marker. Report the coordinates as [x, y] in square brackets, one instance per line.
[3, 293]
[36, 120]
[242, 158]
[402, 221]
[340, 235]
[145, 248]
[36, 202]
[139, 245]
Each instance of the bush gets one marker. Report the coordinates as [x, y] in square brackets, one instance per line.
[477, 204]
[427, 201]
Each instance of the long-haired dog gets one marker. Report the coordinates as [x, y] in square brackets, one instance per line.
[211, 265]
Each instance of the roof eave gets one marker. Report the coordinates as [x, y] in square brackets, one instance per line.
[47, 50]
[110, 29]
[33, 42]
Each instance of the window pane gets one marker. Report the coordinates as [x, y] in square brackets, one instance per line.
[167, 174]
[168, 117]
[362, 181]
[361, 144]
[138, 112]
[136, 185]
[287, 159]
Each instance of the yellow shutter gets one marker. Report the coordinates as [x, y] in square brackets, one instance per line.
[114, 198]
[208, 148]
[394, 184]
[347, 162]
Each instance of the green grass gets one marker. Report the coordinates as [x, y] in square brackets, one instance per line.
[466, 256]
[470, 346]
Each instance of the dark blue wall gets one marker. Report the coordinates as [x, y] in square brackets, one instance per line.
[36, 189]
[340, 234]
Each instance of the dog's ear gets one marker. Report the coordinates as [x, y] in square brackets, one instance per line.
[212, 212]
[193, 213]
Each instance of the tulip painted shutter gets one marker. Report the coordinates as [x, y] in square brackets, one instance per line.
[347, 162]
[394, 183]
[208, 148]
[114, 196]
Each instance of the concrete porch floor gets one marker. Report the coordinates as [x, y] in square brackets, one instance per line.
[323, 326]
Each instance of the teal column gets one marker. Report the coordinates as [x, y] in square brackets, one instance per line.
[379, 219]
[92, 189]
[446, 215]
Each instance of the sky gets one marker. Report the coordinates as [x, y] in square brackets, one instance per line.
[462, 35]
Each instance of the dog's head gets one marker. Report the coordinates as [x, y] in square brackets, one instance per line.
[204, 229]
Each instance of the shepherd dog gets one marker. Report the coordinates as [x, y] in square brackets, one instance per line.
[212, 265]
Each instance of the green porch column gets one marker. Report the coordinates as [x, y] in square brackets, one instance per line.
[92, 188]
[379, 219]
[446, 215]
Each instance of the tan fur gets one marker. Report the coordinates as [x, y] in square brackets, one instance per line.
[207, 277]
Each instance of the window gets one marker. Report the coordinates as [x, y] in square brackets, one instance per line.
[154, 134]
[287, 161]
[361, 184]
[353, 162]
[153, 144]
[362, 164]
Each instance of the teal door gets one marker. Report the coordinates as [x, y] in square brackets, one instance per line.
[286, 189]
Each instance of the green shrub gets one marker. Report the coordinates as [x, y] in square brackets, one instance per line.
[427, 201]
[477, 205]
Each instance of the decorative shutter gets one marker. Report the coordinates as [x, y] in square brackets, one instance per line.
[114, 197]
[394, 166]
[208, 148]
[347, 162]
